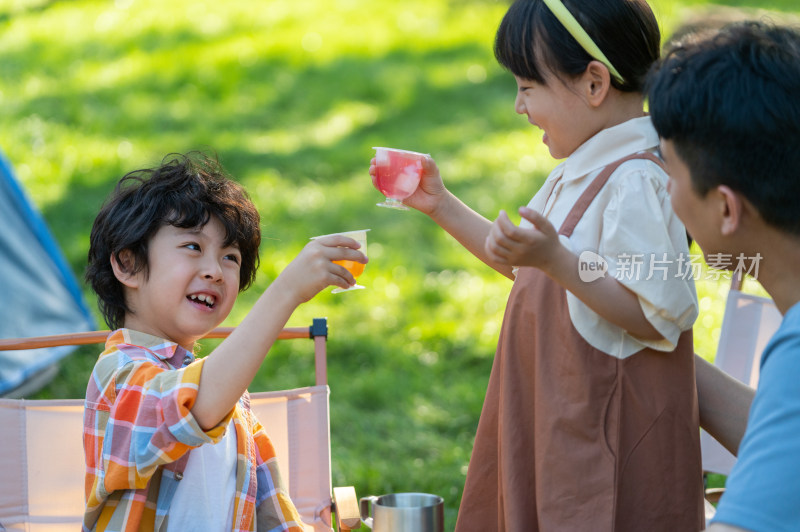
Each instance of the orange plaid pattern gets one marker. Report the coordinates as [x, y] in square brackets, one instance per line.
[138, 431]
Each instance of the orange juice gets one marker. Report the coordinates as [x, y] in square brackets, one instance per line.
[355, 268]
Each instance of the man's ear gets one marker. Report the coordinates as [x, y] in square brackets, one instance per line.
[123, 268]
[731, 210]
[596, 82]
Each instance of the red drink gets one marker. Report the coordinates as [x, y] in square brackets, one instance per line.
[397, 175]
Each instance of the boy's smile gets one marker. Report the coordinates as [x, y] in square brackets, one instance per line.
[190, 286]
[205, 299]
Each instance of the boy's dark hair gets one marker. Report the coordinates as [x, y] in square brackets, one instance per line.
[531, 40]
[184, 191]
[730, 103]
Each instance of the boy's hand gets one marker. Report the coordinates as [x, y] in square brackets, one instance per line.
[536, 246]
[313, 269]
[430, 190]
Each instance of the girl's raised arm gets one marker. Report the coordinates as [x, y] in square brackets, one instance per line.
[468, 227]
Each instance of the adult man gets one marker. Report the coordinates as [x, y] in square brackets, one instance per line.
[727, 109]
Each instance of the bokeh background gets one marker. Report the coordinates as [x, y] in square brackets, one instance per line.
[291, 95]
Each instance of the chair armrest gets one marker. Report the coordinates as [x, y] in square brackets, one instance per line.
[345, 506]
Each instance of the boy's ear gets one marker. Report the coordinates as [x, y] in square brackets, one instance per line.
[123, 268]
[732, 208]
[597, 82]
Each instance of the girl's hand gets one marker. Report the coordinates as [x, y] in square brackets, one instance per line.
[536, 246]
[313, 269]
[430, 191]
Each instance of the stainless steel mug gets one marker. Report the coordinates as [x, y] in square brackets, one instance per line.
[404, 512]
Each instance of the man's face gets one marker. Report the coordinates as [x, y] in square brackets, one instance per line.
[690, 207]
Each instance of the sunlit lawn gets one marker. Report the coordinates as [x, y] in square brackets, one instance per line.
[292, 95]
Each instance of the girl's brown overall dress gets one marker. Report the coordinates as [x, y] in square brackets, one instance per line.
[573, 439]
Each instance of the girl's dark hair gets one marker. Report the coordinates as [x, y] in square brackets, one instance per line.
[531, 40]
[185, 191]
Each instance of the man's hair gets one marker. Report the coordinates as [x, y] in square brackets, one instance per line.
[730, 104]
[531, 40]
[184, 191]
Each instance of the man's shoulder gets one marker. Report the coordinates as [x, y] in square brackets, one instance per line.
[791, 320]
[784, 345]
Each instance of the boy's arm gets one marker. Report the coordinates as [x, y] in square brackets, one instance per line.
[724, 404]
[230, 368]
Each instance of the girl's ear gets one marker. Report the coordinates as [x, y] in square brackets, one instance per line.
[123, 268]
[596, 83]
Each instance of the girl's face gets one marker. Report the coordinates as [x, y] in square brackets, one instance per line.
[558, 109]
[191, 284]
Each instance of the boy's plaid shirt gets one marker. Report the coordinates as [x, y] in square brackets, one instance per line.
[138, 431]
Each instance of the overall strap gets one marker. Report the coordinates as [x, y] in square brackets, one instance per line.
[594, 187]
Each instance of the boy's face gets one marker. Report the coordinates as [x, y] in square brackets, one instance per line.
[191, 285]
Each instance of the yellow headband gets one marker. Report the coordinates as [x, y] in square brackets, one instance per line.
[579, 34]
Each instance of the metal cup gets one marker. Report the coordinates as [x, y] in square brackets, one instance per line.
[403, 512]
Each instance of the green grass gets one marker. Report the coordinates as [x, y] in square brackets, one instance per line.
[292, 95]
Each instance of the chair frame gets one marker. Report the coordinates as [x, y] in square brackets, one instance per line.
[318, 331]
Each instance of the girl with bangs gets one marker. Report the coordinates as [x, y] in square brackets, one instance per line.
[590, 418]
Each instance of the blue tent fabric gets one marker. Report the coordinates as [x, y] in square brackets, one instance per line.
[40, 294]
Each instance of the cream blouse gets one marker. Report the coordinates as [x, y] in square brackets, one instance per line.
[631, 225]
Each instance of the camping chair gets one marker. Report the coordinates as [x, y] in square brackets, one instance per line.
[43, 465]
[748, 323]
